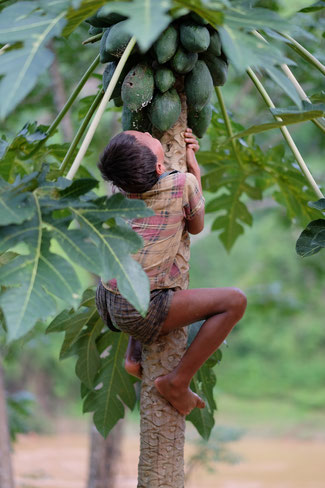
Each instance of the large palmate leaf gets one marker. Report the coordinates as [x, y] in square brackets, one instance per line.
[78, 13]
[203, 384]
[20, 68]
[146, 19]
[115, 386]
[290, 115]
[33, 280]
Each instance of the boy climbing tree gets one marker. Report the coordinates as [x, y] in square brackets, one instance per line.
[134, 162]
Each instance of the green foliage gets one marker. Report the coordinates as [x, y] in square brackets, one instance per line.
[20, 408]
[312, 239]
[248, 172]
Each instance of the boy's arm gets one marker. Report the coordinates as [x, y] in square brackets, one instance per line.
[195, 225]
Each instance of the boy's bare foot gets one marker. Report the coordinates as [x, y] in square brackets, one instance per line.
[183, 399]
[133, 368]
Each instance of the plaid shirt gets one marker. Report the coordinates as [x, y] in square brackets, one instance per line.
[175, 198]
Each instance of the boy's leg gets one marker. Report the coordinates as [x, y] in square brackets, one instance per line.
[132, 362]
[222, 308]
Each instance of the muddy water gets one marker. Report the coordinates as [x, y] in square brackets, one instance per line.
[61, 461]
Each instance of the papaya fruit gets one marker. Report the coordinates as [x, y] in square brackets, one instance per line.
[93, 31]
[118, 102]
[164, 79]
[200, 121]
[218, 68]
[195, 38]
[165, 109]
[95, 22]
[198, 86]
[117, 39]
[183, 61]
[138, 87]
[109, 71]
[104, 56]
[215, 44]
[135, 120]
[166, 45]
[198, 19]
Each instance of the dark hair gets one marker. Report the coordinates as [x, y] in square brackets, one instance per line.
[128, 164]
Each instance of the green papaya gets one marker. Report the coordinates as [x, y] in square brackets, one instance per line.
[109, 71]
[200, 121]
[93, 31]
[166, 45]
[104, 56]
[95, 22]
[183, 62]
[110, 18]
[138, 87]
[117, 39]
[164, 79]
[195, 38]
[118, 102]
[165, 109]
[198, 86]
[198, 19]
[215, 44]
[217, 67]
[135, 120]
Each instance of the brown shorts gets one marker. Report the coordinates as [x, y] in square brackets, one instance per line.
[126, 318]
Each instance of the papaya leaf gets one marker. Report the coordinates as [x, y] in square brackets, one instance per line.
[255, 18]
[15, 206]
[80, 12]
[75, 329]
[146, 19]
[114, 386]
[284, 83]
[89, 360]
[201, 418]
[320, 204]
[314, 7]
[33, 280]
[289, 116]
[20, 68]
[214, 16]
[312, 239]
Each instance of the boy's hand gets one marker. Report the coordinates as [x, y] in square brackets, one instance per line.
[192, 146]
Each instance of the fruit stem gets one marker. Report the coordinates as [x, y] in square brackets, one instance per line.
[100, 110]
[228, 125]
[286, 134]
[66, 107]
[93, 39]
[80, 131]
[304, 53]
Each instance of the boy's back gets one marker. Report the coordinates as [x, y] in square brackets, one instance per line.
[175, 199]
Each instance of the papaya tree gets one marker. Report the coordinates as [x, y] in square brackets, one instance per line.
[163, 66]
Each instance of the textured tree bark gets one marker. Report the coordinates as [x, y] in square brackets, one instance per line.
[104, 454]
[6, 473]
[162, 428]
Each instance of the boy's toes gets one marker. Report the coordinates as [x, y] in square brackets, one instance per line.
[200, 403]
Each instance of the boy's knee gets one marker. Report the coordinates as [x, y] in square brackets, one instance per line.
[238, 302]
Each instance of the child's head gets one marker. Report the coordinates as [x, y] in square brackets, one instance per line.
[132, 161]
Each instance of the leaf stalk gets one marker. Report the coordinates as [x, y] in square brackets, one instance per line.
[228, 125]
[286, 134]
[302, 51]
[81, 131]
[101, 109]
[93, 39]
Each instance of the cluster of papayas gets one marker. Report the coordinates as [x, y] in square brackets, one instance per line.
[189, 48]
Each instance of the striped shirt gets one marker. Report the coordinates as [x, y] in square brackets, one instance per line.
[175, 198]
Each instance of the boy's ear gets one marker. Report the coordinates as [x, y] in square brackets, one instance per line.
[160, 168]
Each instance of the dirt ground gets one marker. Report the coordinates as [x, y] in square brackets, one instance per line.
[61, 461]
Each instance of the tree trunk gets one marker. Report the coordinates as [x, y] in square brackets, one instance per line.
[104, 455]
[6, 472]
[162, 428]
